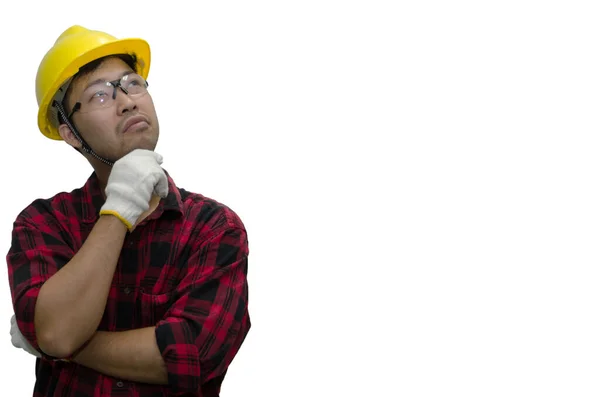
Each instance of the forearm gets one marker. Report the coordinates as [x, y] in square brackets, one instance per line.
[71, 303]
[131, 355]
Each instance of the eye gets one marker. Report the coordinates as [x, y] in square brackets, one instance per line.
[98, 95]
[133, 83]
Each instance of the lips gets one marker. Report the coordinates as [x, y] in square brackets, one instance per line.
[133, 121]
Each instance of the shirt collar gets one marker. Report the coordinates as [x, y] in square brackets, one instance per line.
[92, 200]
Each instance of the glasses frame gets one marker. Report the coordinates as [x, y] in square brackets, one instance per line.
[116, 84]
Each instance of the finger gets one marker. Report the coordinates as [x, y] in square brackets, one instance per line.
[158, 157]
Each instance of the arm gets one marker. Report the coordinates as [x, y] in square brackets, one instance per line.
[59, 296]
[204, 329]
[55, 291]
[201, 332]
[132, 355]
[71, 303]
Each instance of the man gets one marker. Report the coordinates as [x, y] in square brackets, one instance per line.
[128, 285]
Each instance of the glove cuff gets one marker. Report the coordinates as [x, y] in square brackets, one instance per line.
[118, 216]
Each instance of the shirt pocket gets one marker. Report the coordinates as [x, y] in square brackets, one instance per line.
[154, 307]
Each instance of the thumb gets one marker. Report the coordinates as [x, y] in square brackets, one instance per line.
[162, 186]
[158, 157]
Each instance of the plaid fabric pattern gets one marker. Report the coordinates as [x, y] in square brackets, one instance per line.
[182, 270]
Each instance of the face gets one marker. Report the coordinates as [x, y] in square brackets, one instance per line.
[109, 130]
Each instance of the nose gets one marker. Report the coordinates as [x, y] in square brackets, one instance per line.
[124, 102]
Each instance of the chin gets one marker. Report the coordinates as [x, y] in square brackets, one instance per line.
[145, 146]
[143, 141]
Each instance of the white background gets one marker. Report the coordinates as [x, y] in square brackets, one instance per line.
[419, 180]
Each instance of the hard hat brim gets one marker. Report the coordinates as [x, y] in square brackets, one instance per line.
[139, 47]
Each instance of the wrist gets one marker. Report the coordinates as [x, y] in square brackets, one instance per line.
[114, 221]
[115, 217]
[127, 208]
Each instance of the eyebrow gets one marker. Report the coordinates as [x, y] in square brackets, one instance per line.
[102, 80]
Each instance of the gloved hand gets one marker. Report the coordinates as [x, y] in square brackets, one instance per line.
[131, 183]
[18, 340]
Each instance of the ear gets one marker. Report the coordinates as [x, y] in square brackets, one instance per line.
[67, 135]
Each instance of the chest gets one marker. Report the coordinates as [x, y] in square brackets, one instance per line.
[152, 263]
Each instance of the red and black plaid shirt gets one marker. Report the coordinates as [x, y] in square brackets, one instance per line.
[182, 270]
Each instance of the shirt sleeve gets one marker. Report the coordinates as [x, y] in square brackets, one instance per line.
[36, 253]
[204, 328]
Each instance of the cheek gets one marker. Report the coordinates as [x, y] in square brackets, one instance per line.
[147, 106]
[100, 126]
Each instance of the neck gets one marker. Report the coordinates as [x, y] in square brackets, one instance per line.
[102, 172]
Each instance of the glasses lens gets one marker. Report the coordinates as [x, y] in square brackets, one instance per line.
[134, 84]
[100, 95]
[96, 95]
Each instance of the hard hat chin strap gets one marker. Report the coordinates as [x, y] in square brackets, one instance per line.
[84, 145]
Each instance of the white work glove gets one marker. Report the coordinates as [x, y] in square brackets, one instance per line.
[131, 183]
[18, 340]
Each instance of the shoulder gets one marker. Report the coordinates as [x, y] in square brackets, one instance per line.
[49, 210]
[209, 211]
[209, 215]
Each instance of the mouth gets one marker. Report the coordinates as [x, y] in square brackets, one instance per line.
[134, 123]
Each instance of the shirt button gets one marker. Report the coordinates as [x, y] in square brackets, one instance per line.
[127, 290]
[120, 384]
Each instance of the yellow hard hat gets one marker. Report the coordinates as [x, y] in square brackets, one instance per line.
[74, 48]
